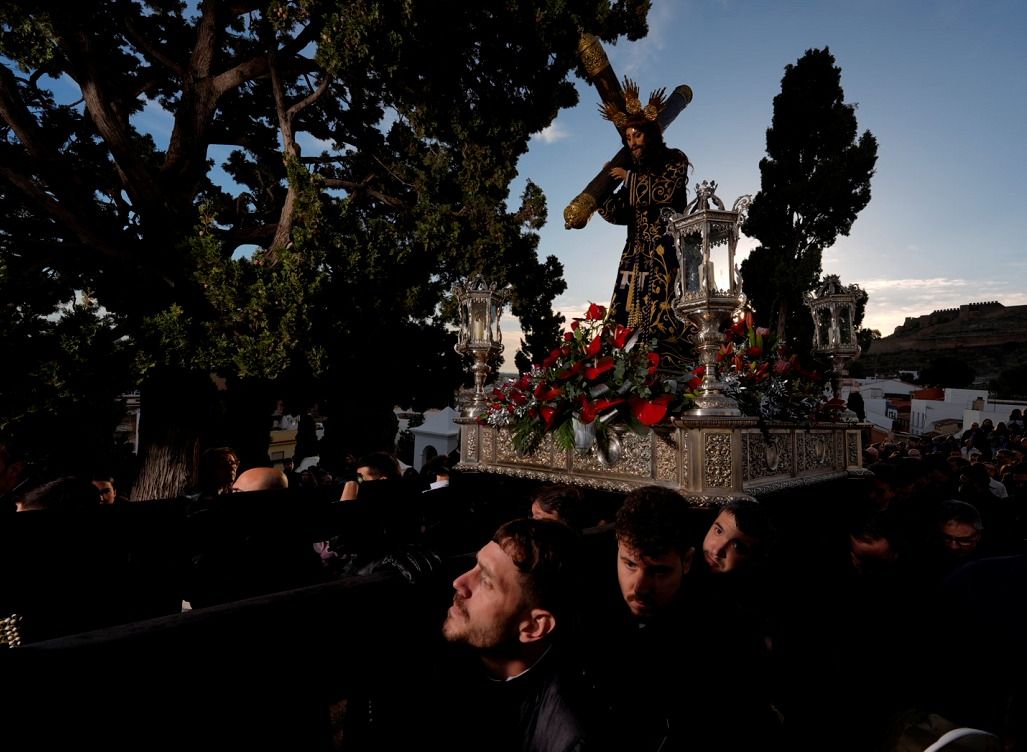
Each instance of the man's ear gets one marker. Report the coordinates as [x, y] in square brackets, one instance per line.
[686, 560]
[537, 624]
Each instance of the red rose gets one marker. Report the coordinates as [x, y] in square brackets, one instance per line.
[621, 335]
[755, 351]
[517, 397]
[523, 382]
[594, 346]
[654, 362]
[568, 336]
[595, 313]
[575, 324]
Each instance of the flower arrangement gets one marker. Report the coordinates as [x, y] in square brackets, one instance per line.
[765, 379]
[600, 375]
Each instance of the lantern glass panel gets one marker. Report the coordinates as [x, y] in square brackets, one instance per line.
[479, 320]
[824, 327]
[691, 254]
[844, 325]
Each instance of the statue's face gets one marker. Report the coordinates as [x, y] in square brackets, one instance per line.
[636, 142]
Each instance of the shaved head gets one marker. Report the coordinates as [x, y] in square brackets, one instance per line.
[261, 479]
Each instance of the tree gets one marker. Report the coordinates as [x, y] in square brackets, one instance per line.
[1011, 383]
[867, 338]
[357, 245]
[948, 371]
[815, 180]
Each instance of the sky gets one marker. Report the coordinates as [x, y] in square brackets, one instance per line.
[941, 84]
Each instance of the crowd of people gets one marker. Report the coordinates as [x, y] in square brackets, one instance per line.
[646, 623]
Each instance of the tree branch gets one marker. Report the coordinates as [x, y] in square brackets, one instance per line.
[322, 87]
[19, 119]
[61, 213]
[151, 50]
[362, 187]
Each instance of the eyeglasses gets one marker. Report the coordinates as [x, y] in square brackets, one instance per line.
[965, 541]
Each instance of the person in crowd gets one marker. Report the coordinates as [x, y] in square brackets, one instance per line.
[386, 512]
[562, 502]
[666, 646]
[436, 474]
[512, 613]
[261, 479]
[67, 494]
[216, 473]
[738, 537]
[960, 531]
[104, 483]
[377, 466]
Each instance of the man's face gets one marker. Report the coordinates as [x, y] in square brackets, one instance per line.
[106, 489]
[488, 605]
[960, 538]
[365, 474]
[636, 143]
[650, 583]
[870, 552]
[725, 546]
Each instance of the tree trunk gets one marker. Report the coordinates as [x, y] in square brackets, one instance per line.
[178, 416]
[168, 467]
[782, 318]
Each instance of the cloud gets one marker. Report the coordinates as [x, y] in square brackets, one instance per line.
[876, 285]
[551, 134]
[892, 300]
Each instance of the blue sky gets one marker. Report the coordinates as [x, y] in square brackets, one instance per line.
[942, 85]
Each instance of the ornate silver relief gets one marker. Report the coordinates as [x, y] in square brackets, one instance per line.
[763, 457]
[717, 460]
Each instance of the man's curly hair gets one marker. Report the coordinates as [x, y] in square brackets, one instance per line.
[654, 520]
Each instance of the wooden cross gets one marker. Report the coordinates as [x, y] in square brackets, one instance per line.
[600, 73]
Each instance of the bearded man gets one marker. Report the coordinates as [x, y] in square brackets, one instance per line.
[648, 269]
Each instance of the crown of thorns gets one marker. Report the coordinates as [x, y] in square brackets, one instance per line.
[634, 112]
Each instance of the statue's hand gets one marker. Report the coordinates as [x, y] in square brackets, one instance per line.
[618, 173]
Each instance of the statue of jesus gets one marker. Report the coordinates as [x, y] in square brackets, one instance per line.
[657, 180]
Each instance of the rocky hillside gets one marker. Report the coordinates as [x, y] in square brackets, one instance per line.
[989, 336]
